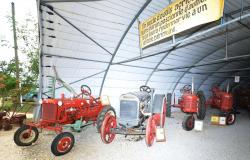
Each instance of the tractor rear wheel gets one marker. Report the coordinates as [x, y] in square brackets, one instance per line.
[150, 132]
[169, 98]
[202, 106]
[230, 119]
[188, 123]
[63, 143]
[109, 123]
[102, 114]
[26, 135]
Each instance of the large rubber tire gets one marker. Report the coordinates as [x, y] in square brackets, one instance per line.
[169, 99]
[102, 114]
[62, 144]
[230, 119]
[22, 137]
[188, 123]
[202, 106]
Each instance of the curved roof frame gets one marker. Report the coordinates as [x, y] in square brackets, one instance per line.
[121, 40]
[204, 57]
[199, 86]
[169, 52]
[174, 46]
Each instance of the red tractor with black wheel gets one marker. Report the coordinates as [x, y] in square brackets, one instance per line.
[224, 102]
[191, 103]
[141, 113]
[57, 114]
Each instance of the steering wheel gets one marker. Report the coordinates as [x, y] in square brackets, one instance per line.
[186, 88]
[85, 90]
[145, 88]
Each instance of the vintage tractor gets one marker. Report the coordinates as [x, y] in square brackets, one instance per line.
[140, 114]
[57, 114]
[191, 103]
[224, 102]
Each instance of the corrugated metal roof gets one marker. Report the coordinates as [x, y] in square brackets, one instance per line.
[87, 47]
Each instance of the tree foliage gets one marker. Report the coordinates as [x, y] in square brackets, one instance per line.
[27, 40]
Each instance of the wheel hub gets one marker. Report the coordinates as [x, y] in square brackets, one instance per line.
[64, 144]
[27, 136]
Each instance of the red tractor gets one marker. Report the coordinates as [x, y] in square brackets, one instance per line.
[191, 103]
[224, 102]
[57, 114]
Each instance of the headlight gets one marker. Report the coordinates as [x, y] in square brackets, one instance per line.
[59, 103]
[40, 101]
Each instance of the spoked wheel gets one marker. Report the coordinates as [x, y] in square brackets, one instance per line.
[26, 135]
[62, 144]
[201, 106]
[106, 110]
[231, 118]
[188, 123]
[109, 122]
[150, 132]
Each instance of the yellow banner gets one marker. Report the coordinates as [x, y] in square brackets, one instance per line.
[177, 17]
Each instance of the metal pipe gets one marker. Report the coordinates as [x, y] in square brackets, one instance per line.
[75, 58]
[171, 46]
[228, 87]
[192, 85]
[223, 60]
[79, 80]
[121, 40]
[37, 110]
[86, 35]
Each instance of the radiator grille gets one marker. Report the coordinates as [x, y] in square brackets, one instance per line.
[49, 112]
[128, 109]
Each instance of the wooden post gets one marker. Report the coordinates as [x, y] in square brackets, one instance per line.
[16, 50]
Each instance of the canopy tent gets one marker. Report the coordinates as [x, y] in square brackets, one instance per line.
[96, 42]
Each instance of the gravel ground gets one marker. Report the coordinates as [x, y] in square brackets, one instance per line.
[213, 143]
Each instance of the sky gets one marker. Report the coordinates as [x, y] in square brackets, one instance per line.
[22, 8]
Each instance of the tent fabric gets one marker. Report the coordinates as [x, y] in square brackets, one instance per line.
[86, 41]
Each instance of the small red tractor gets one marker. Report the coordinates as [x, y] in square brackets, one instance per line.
[141, 113]
[57, 114]
[191, 103]
[224, 102]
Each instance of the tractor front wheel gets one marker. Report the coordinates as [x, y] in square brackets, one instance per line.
[201, 106]
[102, 114]
[188, 123]
[62, 144]
[230, 119]
[150, 132]
[26, 135]
[109, 123]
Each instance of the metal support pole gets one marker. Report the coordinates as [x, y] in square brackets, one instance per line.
[37, 110]
[138, 21]
[226, 56]
[173, 39]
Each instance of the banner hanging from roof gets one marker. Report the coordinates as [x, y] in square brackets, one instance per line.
[177, 17]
